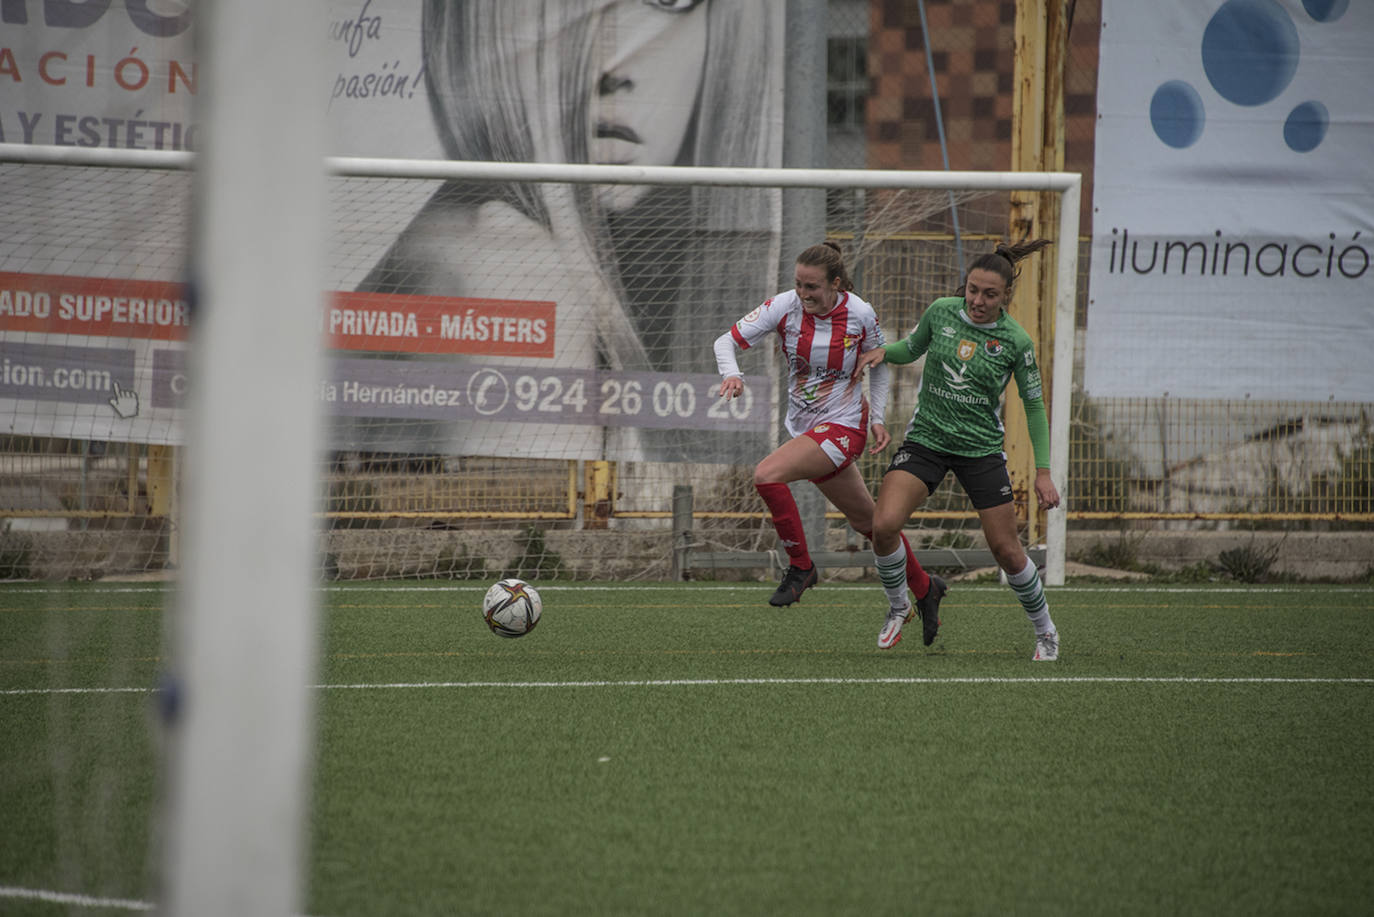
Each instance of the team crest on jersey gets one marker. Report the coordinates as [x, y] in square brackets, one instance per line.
[992, 346]
[753, 316]
[1030, 357]
[821, 428]
[850, 340]
[967, 349]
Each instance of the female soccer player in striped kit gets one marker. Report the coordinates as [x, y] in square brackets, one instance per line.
[822, 327]
[973, 348]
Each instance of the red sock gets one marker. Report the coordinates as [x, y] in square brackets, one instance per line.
[787, 521]
[917, 579]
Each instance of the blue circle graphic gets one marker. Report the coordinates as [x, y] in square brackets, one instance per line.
[1306, 126]
[1326, 10]
[1250, 51]
[1176, 114]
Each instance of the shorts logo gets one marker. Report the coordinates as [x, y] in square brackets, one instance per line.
[992, 346]
[821, 428]
[901, 458]
[967, 349]
[843, 442]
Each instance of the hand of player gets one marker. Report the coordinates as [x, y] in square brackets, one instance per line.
[880, 438]
[1045, 491]
[731, 387]
[866, 359]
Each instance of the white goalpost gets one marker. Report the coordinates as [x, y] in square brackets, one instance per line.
[245, 642]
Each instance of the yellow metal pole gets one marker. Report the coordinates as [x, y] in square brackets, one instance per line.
[162, 488]
[1027, 155]
[596, 511]
[161, 480]
[131, 481]
[1037, 145]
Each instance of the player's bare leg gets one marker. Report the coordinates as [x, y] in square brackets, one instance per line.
[999, 527]
[898, 497]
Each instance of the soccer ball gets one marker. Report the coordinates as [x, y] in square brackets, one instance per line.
[512, 608]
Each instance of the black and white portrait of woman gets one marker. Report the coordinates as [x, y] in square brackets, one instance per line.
[642, 276]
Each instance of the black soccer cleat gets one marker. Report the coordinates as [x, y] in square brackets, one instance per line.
[794, 582]
[929, 609]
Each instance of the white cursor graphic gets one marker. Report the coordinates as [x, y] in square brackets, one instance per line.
[124, 402]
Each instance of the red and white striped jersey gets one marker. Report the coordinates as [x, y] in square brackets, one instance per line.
[821, 351]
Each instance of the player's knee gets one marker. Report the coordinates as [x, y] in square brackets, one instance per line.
[1008, 555]
[768, 472]
[764, 477]
[887, 525]
[861, 524]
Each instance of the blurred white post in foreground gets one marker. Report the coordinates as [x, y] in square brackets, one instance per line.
[244, 628]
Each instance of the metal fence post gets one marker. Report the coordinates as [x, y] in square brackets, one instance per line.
[682, 529]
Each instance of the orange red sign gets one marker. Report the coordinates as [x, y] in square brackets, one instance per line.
[158, 310]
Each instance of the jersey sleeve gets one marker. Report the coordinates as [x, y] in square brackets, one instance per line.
[758, 324]
[879, 377]
[910, 348]
[1028, 383]
[726, 363]
[744, 334]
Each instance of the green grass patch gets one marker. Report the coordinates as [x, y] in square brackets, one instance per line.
[686, 748]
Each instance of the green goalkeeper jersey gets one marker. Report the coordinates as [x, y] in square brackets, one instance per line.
[968, 366]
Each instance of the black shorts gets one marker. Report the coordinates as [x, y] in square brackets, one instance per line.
[984, 478]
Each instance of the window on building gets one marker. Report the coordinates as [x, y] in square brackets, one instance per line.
[846, 82]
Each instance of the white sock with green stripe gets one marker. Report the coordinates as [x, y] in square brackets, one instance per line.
[892, 572]
[1031, 593]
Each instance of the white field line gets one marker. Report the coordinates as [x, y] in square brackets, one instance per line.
[74, 900]
[731, 682]
[725, 682]
[39, 894]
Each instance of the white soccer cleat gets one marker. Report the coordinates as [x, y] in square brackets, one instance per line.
[1046, 647]
[891, 634]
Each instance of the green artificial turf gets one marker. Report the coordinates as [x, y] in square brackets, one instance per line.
[687, 749]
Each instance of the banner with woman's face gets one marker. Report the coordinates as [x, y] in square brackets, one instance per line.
[533, 319]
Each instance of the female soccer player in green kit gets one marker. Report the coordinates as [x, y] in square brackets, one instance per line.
[973, 348]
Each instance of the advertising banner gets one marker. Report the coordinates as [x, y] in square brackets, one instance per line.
[576, 303]
[1234, 201]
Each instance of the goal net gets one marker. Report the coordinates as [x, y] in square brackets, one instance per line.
[520, 368]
